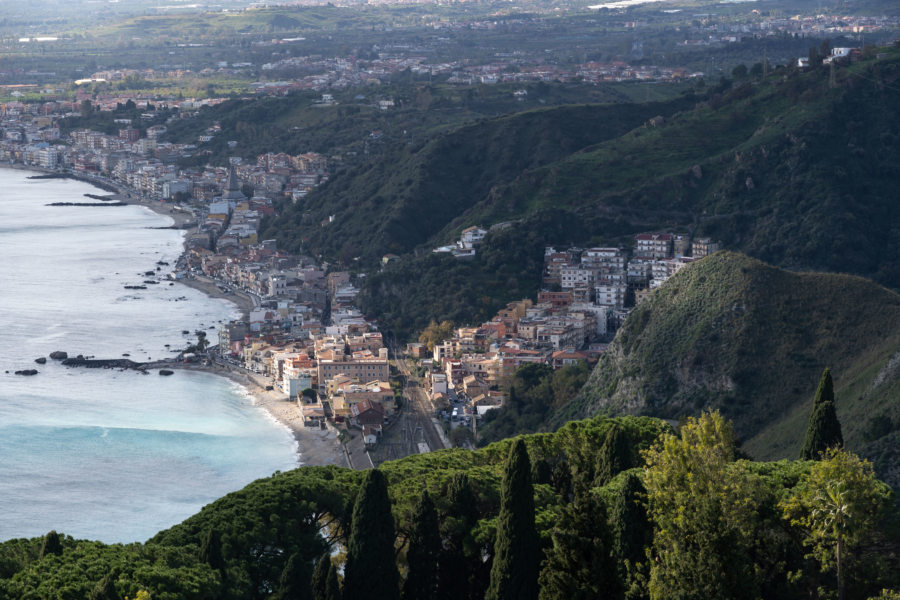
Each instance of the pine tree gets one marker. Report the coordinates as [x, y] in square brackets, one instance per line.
[579, 565]
[51, 544]
[422, 556]
[458, 567]
[824, 429]
[294, 583]
[615, 455]
[516, 548]
[631, 534]
[371, 571]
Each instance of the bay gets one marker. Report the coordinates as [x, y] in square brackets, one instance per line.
[104, 454]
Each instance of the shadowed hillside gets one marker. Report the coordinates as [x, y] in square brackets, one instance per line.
[732, 333]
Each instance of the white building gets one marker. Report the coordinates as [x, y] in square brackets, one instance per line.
[471, 236]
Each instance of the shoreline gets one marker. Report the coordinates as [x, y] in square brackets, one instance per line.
[314, 446]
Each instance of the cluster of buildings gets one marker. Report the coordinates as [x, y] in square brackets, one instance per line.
[616, 280]
[343, 367]
[137, 157]
[478, 361]
[587, 294]
[338, 371]
[717, 30]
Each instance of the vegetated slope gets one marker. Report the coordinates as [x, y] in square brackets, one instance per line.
[301, 511]
[731, 333]
[405, 198]
[353, 130]
[407, 294]
[788, 169]
[588, 508]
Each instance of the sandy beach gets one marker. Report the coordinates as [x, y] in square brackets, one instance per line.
[315, 446]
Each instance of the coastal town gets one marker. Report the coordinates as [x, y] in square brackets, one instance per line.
[301, 336]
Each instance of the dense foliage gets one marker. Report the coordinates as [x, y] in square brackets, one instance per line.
[421, 191]
[716, 525]
[533, 391]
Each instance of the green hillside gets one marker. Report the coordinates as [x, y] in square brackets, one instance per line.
[734, 334]
[792, 170]
[798, 169]
[407, 197]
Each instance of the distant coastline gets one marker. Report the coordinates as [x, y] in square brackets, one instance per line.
[314, 446]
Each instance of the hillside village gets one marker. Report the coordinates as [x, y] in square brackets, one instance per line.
[304, 334]
[586, 295]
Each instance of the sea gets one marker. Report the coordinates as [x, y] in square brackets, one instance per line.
[104, 454]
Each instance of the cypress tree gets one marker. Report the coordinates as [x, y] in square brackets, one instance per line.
[294, 583]
[825, 391]
[579, 565]
[211, 551]
[516, 563]
[630, 525]
[371, 571]
[824, 432]
[422, 555]
[615, 455]
[104, 590]
[320, 576]
[332, 587]
[824, 429]
[631, 534]
[51, 544]
[458, 567]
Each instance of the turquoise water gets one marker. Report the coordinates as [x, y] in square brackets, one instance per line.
[101, 454]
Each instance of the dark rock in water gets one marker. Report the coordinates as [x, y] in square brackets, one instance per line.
[95, 204]
[166, 372]
[135, 287]
[150, 281]
[59, 355]
[170, 283]
[115, 363]
[149, 273]
[42, 360]
[80, 357]
[27, 372]
[126, 354]
[185, 332]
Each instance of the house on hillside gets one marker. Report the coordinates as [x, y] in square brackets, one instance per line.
[470, 237]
